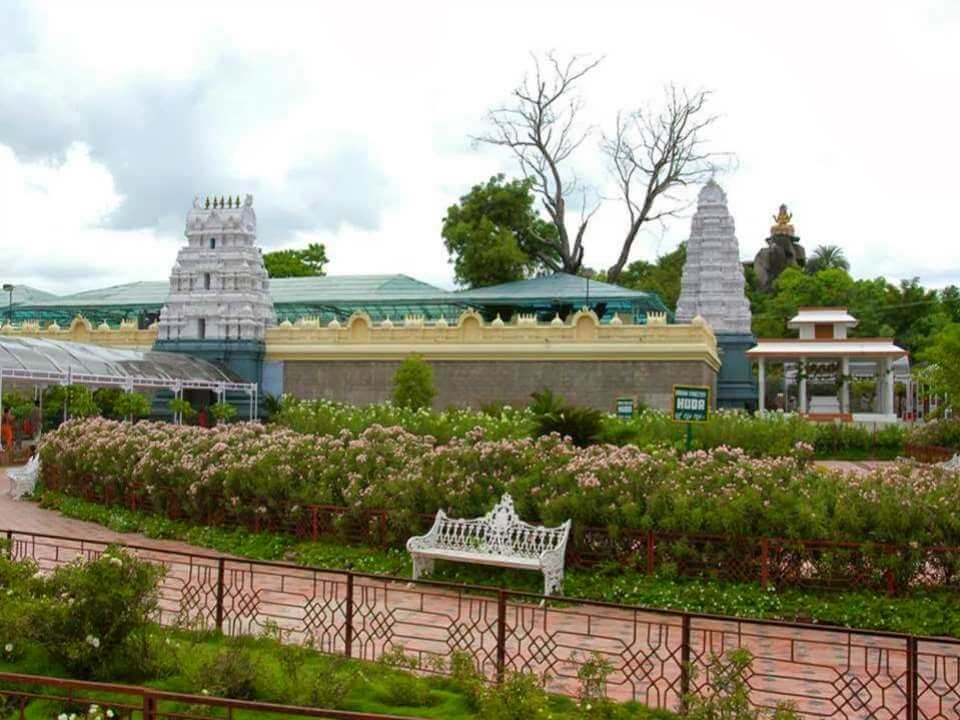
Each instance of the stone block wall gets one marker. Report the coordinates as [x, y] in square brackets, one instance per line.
[473, 383]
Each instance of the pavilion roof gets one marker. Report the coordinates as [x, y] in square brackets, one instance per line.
[828, 347]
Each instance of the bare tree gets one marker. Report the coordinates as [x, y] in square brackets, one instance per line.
[541, 129]
[652, 154]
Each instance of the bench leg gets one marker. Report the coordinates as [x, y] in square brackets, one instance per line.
[552, 581]
[421, 565]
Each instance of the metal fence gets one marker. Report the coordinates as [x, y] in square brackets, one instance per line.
[131, 701]
[657, 656]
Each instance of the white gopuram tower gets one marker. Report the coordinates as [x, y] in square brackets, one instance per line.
[712, 287]
[219, 290]
[712, 283]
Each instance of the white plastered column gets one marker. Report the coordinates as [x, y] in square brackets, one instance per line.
[762, 383]
[845, 386]
[802, 393]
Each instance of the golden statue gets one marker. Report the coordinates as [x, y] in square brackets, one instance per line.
[782, 220]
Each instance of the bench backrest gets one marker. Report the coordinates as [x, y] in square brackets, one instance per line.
[499, 532]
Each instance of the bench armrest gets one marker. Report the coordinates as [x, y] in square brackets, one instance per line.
[420, 542]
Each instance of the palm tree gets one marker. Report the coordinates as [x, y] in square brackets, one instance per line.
[826, 257]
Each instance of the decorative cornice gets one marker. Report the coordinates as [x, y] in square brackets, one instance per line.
[81, 330]
[581, 337]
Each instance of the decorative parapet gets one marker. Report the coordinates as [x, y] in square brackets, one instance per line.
[580, 337]
[81, 330]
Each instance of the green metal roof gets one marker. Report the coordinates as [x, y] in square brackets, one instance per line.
[561, 287]
[138, 293]
[380, 296]
[25, 294]
[355, 288]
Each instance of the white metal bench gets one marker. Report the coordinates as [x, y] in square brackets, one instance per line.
[498, 538]
[24, 480]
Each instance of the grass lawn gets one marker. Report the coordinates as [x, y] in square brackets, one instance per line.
[254, 669]
[918, 612]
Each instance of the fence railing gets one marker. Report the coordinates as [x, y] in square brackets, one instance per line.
[132, 701]
[781, 562]
[657, 656]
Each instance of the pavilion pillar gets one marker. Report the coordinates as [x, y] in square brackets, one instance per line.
[802, 390]
[845, 386]
[888, 387]
[762, 383]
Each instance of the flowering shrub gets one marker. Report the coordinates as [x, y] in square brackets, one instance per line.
[247, 472]
[323, 417]
[88, 614]
[770, 435]
[941, 433]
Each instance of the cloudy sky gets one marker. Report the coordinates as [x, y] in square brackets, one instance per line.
[351, 122]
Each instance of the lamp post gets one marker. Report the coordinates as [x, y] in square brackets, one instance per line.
[8, 288]
[587, 274]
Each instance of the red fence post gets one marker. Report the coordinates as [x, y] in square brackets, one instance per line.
[149, 707]
[501, 633]
[650, 552]
[684, 661]
[913, 711]
[220, 572]
[764, 562]
[348, 629]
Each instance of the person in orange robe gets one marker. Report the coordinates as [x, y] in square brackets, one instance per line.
[6, 432]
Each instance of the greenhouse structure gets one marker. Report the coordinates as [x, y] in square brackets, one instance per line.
[38, 363]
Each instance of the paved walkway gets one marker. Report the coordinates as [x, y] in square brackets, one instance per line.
[829, 674]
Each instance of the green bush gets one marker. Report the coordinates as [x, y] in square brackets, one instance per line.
[727, 696]
[400, 686]
[87, 614]
[552, 414]
[223, 412]
[521, 696]
[413, 384]
[943, 432]
[234, 671]
[132, 405]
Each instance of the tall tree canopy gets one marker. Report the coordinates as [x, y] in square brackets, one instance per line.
[652, 153]
[826, 257]
[661, 277]
[908, 312]
[494, 235]
[296, 263]
[944, 371]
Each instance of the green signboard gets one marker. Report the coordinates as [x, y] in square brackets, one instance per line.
[625, 407]
[691, 403]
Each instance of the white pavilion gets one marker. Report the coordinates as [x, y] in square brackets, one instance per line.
[822, 354]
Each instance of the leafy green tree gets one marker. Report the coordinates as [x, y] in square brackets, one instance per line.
[493, 233]
[943, 354]
[307, 262]
[661, 277]
[413, 384]
[132, 405]
[826, 257]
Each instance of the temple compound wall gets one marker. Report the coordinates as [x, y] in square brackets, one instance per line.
[476, 362]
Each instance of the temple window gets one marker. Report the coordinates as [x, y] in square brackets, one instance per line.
[202, 328]
[213, 243]
[206, 281]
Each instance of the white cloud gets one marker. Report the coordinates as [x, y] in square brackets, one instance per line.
[352, 122]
